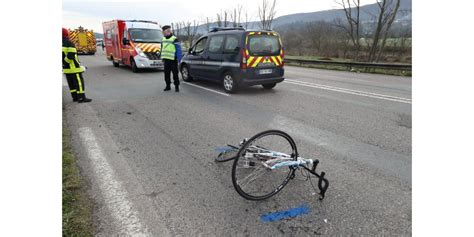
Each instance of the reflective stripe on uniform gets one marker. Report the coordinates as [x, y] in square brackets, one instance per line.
[71, 62]
[69, 50]
[79, 82]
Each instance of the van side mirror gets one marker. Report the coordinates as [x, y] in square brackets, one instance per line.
[237, 49]
[125, 41]
[190, 50]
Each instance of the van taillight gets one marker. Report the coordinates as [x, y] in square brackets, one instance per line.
[243, 63]
[282, 55]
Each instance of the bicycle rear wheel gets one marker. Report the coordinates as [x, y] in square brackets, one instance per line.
[251, 179]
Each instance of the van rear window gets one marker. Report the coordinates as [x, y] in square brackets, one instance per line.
[264, 45]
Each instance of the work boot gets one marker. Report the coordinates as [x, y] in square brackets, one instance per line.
[176, 88]
[75, 98]
[167, 88]
[83, 99]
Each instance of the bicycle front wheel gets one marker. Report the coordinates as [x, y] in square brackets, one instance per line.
[251, 178]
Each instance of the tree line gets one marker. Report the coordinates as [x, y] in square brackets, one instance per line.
[377, 40]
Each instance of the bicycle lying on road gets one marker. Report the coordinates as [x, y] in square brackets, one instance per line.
[260, 171]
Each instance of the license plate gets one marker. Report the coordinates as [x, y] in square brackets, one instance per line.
[156, 64]
[265, 71]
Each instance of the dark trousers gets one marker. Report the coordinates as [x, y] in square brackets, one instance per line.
[76, 85]
[171, 66]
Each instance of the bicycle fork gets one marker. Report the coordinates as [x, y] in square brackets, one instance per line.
[323, 183]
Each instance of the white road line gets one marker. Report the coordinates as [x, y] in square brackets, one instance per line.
[218, 92]
[339, 88]
[348, 91]
[115, 195]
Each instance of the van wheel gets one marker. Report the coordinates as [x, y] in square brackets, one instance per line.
[229, 83]
[134, 65]
[185, 73]
[269, 85]
[116, 64]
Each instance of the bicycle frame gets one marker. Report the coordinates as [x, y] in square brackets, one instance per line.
[284, 160]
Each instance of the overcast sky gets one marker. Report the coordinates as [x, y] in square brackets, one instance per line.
[91, 14]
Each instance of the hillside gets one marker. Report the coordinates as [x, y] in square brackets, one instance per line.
[367, 16]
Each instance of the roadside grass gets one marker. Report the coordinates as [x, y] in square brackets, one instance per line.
[345, 68]
[318, 58]
[77, 210]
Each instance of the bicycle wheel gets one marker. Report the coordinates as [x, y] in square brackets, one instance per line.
[254, 181]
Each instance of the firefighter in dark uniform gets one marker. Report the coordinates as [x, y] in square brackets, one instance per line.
[73, 70]
[171, 55]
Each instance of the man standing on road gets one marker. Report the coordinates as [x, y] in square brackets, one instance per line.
[171, 55]
[73, 70]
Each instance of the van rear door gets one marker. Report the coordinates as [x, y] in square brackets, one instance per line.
[264, 54]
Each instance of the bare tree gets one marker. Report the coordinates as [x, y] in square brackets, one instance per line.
[317, 34]
[352, 27]
[387, 12]
[194, 32]
[208, 23]
[266, 14]
[225, 18]
[405, 43]
[247, 18]
[173, 27]
[219, 19]
[222, 18]
[235, 15]
[190, 31]
[176, 28]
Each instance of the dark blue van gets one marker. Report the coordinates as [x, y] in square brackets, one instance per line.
[235, 57]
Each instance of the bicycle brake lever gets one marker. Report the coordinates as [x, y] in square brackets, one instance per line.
[315, 164]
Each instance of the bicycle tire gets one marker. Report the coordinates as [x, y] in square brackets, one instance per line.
[241, 152]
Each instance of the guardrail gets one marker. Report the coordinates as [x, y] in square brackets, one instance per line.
[350, 65]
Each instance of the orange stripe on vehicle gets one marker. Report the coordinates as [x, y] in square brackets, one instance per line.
[274, 60]
[250, 60]
[279, 59]
[147, 47]
[257, 61]
[151, 48]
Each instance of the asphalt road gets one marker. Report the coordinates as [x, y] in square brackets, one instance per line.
[148, 155]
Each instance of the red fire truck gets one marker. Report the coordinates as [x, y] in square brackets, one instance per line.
[133, 43]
